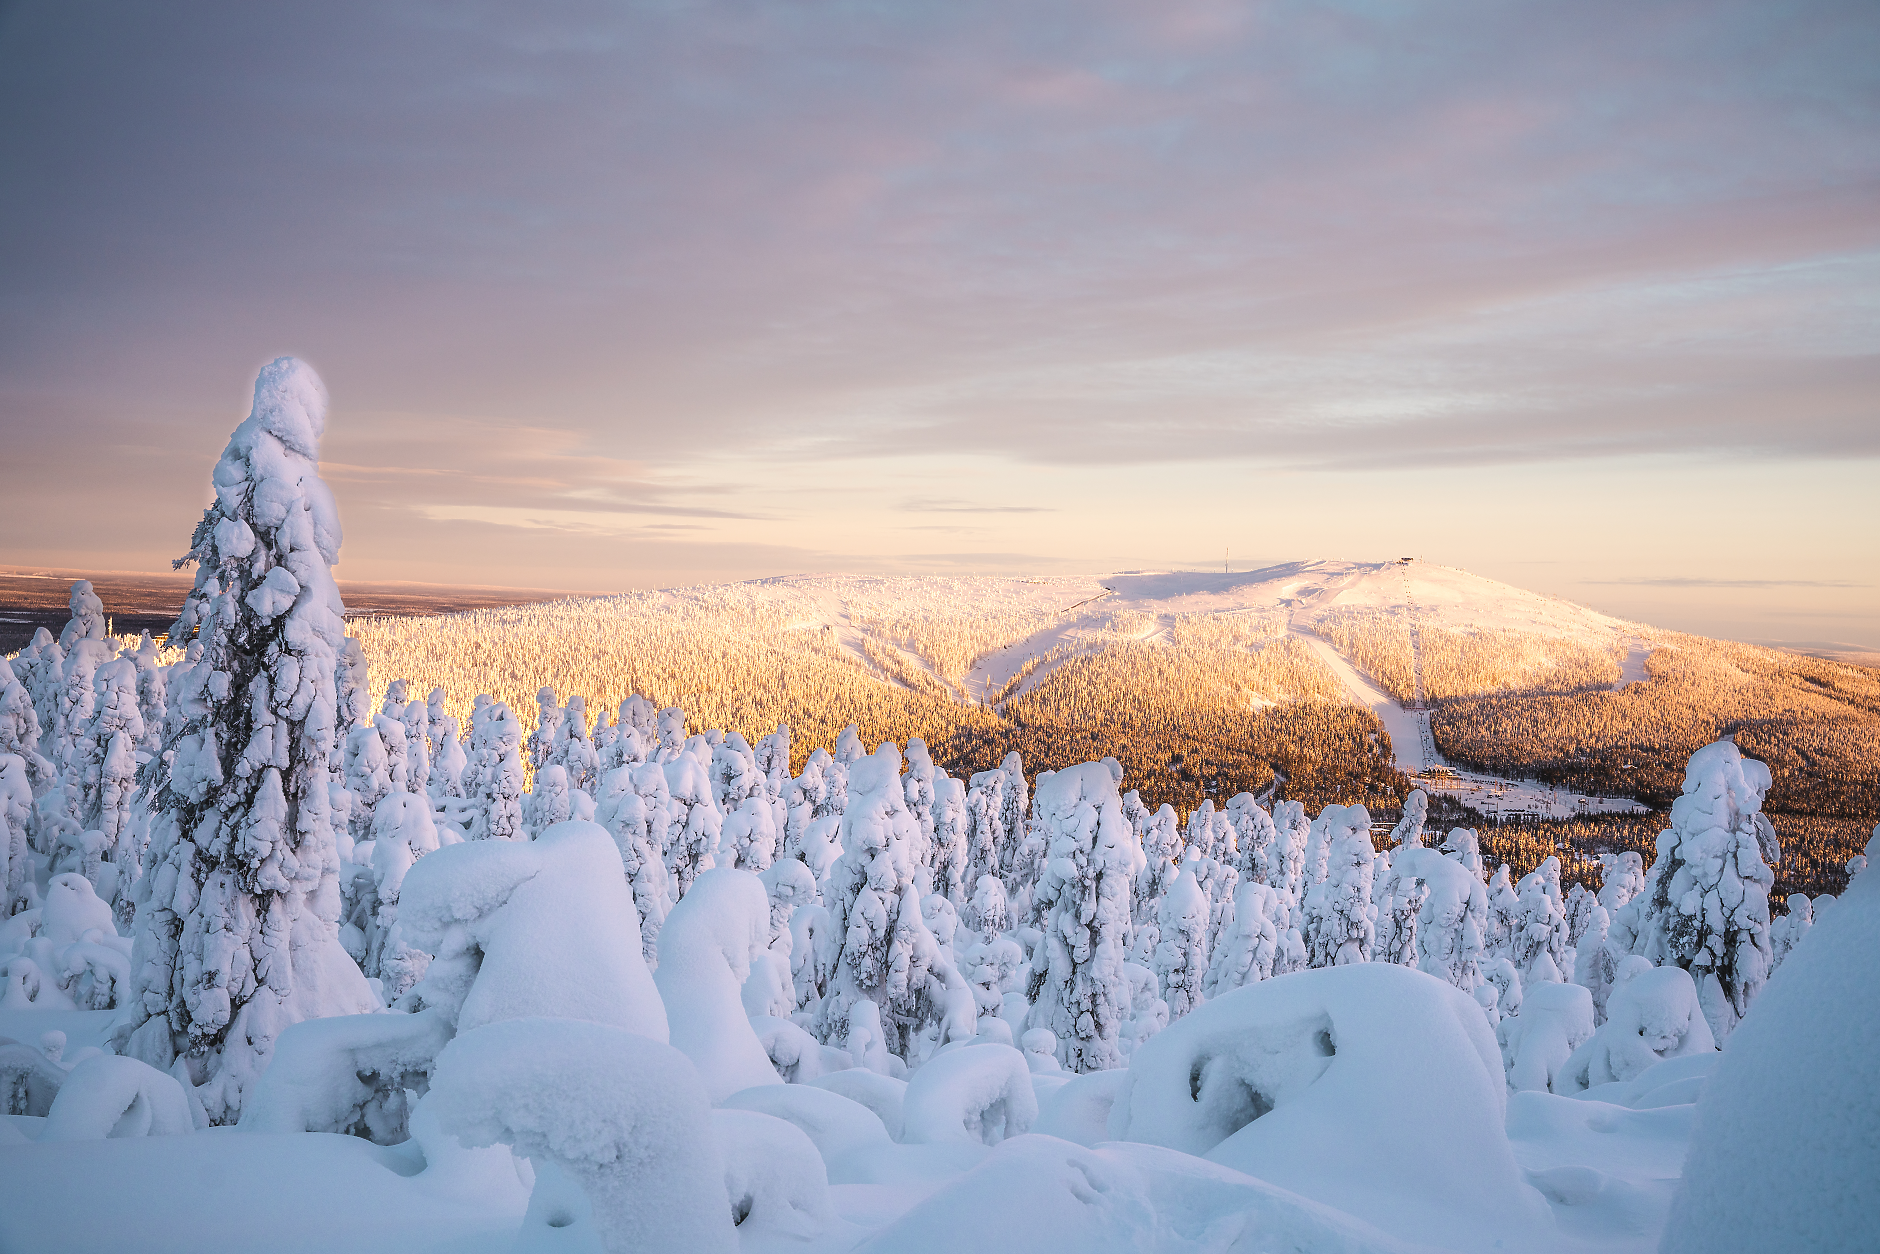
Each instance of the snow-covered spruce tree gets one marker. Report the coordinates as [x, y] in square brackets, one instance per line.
[1449, 926]
[639, 833]
[1318, 848]
[1622, 879]
[1251, 947]
[417, 750]
[1161, 850]
[397, 751]
[1255, 835]
[1203, 837]
[237, 912]
[1181, 955]
[949, 839]
[994, 819]
[448, 761]
[548, 717]
[1398, 895]
[19, 727]
[1705, 907]
[152, 690]
[892, 977]
[1504, 913]
[548, 803]
[85, 651]
[1462, 848]
[37, 667]
[989, 913]
[1341, 923]
[352, 688]
[734, 774]
[697, 823]
[918, 783]
[1077, 987]
[17, 890]
[367, 772]
[749, 838]
[495, 786]
[1580, 907]
[1596, 961]
[772, 756]
[1538, 938]
[1409, 829]
[1786, 932]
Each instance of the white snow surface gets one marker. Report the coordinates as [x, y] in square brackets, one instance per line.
[1312, 1081]
[1792, 1112]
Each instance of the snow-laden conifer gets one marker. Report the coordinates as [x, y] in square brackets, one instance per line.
[892, 978]
[1623, 878]
[950, 839]
[20, 732]
[1537, 939]
[1254, 944]
[1341, 922]
[1181, 955]
[495, 789]
[1705, 907]
[1078, 990]
[1254, 836]
[237, 912]
[17, 890]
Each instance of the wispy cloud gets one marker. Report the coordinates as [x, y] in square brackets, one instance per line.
[937, 505]
[1682, 581]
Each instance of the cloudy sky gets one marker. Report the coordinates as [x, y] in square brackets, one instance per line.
[1580, 296]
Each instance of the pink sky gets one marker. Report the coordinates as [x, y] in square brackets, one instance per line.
[1577, 296]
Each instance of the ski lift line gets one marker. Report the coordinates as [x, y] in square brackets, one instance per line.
[1087, 600]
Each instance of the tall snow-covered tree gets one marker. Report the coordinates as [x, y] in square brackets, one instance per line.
[494, 787]
[1181, 955]
[1538, 938]
[949, 839]
[237, 913]
[1162, 851]
[1078, 989]
[1409, 829]
[17, 890]
[1254, 834]
[1705, 907]
[892, 977]
[1622, 879]
[19, 727]
[1341, 922]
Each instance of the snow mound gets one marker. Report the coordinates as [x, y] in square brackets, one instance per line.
[883, 1094]
[1079, 1109]
[1792, 1112]
[1555, 1020]
[797, 1056]
[1652, 1014]
[975, 1093]
[346, 1074]
[705, 953]
[530, 929]
[1310, 1080]
[774, 1178]
[107, 1096]
[1047, 1194]
[836, 1125]
[622, 1115]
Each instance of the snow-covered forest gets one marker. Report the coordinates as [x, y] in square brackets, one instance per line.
[300, 956]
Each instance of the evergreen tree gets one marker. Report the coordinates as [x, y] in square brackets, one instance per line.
[237, 913]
